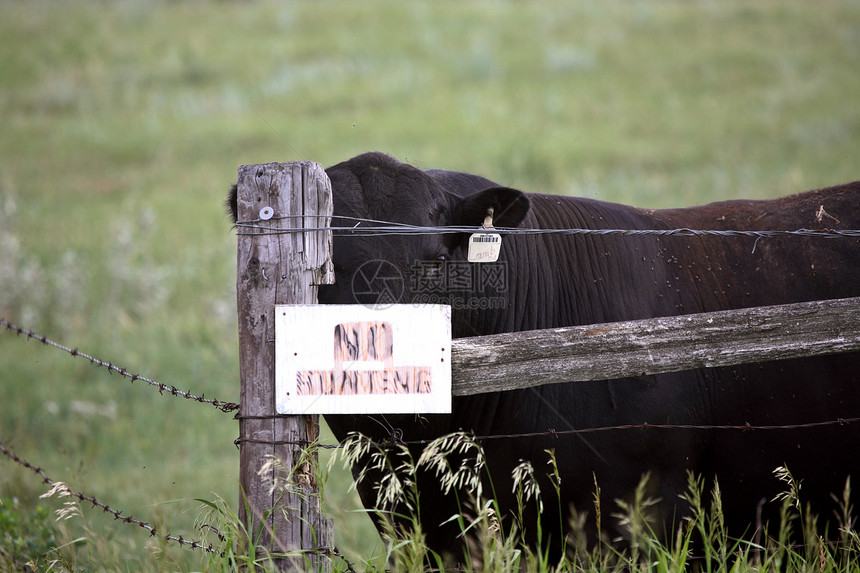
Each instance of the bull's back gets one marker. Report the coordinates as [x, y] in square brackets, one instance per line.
[738, 272]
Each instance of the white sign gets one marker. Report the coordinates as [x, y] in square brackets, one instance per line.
[339, 359]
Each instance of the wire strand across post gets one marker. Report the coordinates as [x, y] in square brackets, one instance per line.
[279, 269]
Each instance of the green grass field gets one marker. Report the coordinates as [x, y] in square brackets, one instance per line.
[123, 124]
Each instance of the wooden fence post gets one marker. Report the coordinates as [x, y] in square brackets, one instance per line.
[279, 268]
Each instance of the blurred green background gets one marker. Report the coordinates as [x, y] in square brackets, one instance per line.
[123, 124]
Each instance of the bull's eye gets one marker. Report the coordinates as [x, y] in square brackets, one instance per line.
[442, 258]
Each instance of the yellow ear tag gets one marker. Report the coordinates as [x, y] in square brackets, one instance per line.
[485, 247]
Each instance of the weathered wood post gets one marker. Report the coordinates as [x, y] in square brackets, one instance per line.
[276, 267]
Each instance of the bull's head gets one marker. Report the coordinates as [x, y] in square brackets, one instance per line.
[412, 268]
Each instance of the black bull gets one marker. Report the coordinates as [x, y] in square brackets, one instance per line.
[553, 280]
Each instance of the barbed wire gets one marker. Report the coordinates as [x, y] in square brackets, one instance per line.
[231, 406]
[111, 367]
[118, 515]
[380, 228]
[747, 427]
[396, 438]
[301, 443]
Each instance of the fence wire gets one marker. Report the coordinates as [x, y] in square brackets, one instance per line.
[63, 489]
[396, 437]
[111, 367]
[375, 227]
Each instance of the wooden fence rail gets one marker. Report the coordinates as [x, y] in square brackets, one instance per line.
[516, 360]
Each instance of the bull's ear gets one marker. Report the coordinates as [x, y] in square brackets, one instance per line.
[509, 207]
[231, 204]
